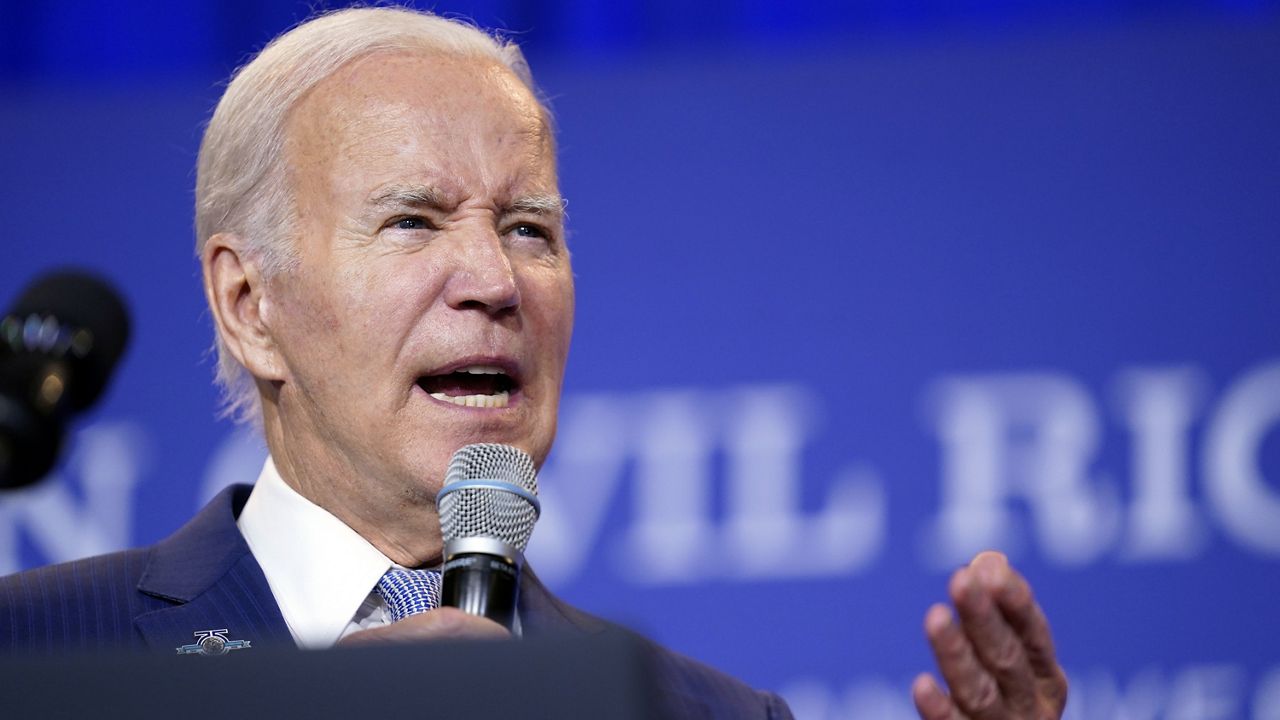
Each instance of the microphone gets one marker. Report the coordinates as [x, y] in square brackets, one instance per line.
[58, 346]
[487, 508]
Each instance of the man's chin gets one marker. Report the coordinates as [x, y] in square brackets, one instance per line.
[447, 431]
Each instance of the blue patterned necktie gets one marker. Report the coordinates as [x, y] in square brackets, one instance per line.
[409, 592]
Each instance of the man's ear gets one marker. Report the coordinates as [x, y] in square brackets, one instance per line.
[234, 288]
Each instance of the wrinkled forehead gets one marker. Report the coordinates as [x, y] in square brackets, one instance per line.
[381, 102]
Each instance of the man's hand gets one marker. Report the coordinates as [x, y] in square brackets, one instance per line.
[998, 658]
[446, 623]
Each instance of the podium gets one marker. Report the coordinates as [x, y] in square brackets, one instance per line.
[603, 676]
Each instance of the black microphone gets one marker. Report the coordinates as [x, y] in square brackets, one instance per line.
[58, 347]
[487, 508]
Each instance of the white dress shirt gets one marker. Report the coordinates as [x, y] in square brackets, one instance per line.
[321, 572]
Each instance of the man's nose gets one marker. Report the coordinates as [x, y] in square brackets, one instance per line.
[484, 277]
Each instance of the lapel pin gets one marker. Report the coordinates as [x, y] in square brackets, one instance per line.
[212, 642]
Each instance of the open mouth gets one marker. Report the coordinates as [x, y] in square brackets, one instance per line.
[477, 386]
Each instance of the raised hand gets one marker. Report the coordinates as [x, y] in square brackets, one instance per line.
[995, 651]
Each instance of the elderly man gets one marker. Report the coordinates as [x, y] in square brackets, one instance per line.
[383, 251]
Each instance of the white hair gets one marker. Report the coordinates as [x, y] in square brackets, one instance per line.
[241, 183]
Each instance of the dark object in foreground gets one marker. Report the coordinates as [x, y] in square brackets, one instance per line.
[58, 347]
[601, 676]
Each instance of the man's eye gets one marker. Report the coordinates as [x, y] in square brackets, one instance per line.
[527, 230]
[411, 223]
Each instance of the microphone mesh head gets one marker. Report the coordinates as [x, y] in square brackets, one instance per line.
[489, 512]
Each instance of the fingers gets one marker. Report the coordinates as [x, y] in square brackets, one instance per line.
[1020, 610]
[996, 653]
[446, 623]
[998, 648]
[931, 702]
[1017, 605]
[973, 690]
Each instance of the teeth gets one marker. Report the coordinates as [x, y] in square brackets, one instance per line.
[499, 400]
[481, 370]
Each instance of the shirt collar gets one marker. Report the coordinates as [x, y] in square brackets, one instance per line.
[319, 569]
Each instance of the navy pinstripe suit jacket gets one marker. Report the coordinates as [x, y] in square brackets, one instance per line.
[204, 577]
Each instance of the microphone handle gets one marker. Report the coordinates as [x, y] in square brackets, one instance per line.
[33, 407]
[482, 584]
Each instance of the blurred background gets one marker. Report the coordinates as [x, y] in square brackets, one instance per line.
[863, 288]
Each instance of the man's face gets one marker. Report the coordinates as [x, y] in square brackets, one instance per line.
[433, 299]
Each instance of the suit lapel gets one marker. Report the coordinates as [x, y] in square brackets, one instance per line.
[211, 578]
[211, 581]
[206, 571]
[542, 613]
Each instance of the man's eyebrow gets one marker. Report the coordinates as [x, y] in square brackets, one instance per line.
[549, 205]
[407, 195]
[395, 196]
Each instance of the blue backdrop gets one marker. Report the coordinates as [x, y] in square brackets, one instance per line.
[861, 291]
